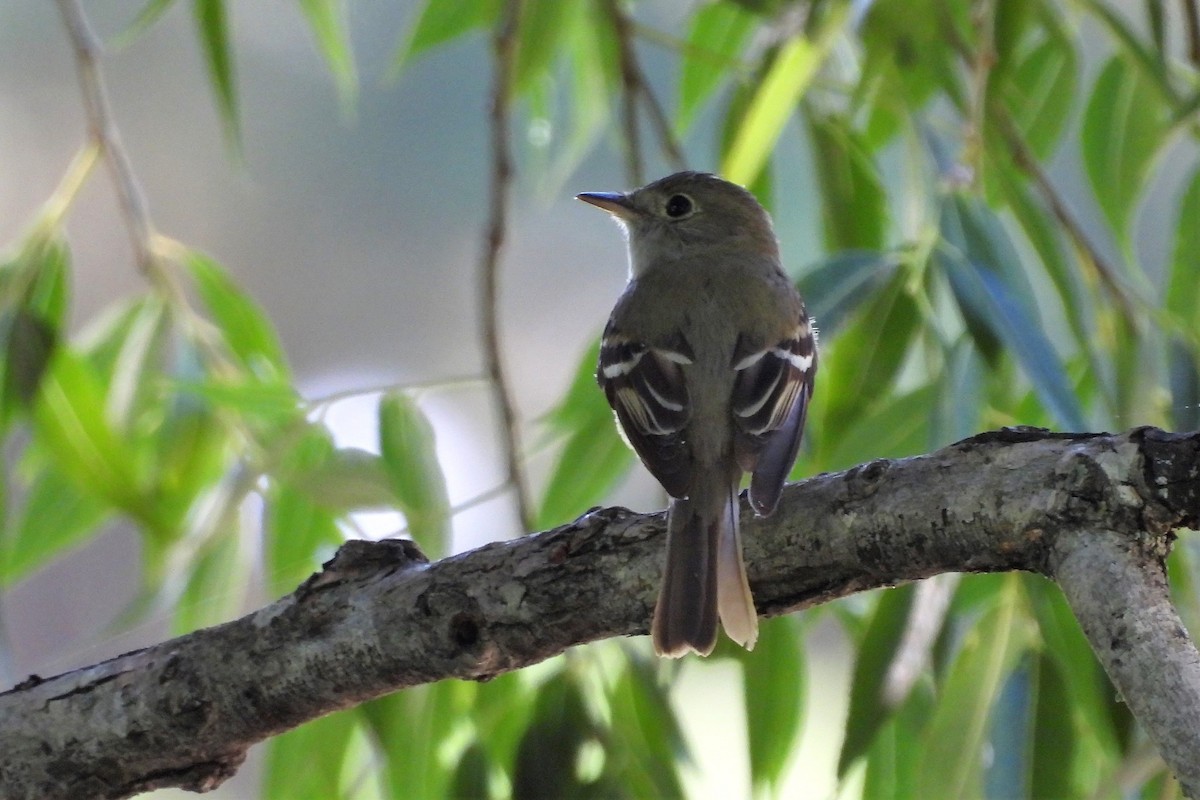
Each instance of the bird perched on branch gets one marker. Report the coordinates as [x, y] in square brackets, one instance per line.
[708, 361]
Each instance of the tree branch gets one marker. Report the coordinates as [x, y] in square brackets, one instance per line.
[1119, 593]
[379, 618]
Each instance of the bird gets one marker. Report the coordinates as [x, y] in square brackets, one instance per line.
[708, 361]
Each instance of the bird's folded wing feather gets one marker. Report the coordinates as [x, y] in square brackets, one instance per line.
[770, 399]
[645, 386]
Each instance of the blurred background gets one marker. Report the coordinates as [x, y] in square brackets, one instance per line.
[357, 223]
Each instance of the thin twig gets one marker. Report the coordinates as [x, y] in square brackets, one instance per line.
[634, 170]
[636, 85]
[103, 129]
[1191, 21]
[504, 48]
[1027, 162]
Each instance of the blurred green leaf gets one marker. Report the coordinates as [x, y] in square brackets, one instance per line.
[1182, 298]
[892, 427]
[305, 763]
[716, 35]
[645, 745]
[247, 329]
[350, 479]
[500, 712]
[773, 686]
[406, 442]
[150, 13]
[593, 458]
[71, 423]
[300, 533]
[1124, 127]
[789, 76]
[442, 21]
[545, 768]
[874, 654]
[212, 27]
[1008, 765]
[411, 730]
[1091, 692]
[897, 751]
[55, 516]
[1039, 93]
[835, 287]
[542, 26]
[218, 581]
[997, 303]
[471, 774]
[866, 357]
[853, 201]
[326, 18]
[954, 742]
[1052, 744]
[955, 415]
[28, 345]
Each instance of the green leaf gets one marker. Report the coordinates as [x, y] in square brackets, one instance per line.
[28, 346]
[213, 30]
[500, 712]
[55, 516]
[789, 76]
[1092, 694]
[1054, 747]
[717, 34]
[1039, 93]
[145, 18]
[646, 745]
[1182, 299]
[300, 534]
[955, 739]
[305, 763]
[442, 21]
[995, 298]
[348, 480]
[326, 18]
[893, 426]
[875, 651]
[70, 421]
[411, 730]
[773, 687]
[1124, 126]
[594, 457]
[853, 201]
[897, 752]
[867, 356]
[546, 758]
[406, 442]
[837, 285]
[955, 415]
[248, 331]
[217, 584]
[1010, 729]
[541, 28]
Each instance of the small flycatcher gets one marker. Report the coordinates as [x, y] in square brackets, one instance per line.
[708, 361]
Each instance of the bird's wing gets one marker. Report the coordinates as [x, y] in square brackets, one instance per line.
[770, 399]
[645, 386]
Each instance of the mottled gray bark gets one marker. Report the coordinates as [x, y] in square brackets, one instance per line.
[379, 618]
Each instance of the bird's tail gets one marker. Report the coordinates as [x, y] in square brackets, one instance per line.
[705, 577]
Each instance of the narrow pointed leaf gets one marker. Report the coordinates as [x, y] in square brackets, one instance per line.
[853, 201]
[774, 686]
[1124, 127]
[715, 39]
[442, 21]
[406, 442]
[326, 18]
[212, 26]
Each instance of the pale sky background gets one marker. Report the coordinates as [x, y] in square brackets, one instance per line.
[361, 239]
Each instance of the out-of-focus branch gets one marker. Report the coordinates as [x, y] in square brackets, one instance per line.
[1191, 21]
[504, 44]
[104, 132]
[635, 87]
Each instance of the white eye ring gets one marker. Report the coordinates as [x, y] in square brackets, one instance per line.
[679, 206]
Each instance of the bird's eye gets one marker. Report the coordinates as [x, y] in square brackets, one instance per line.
[679, 206]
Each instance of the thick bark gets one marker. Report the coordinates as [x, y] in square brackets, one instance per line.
[380, 618]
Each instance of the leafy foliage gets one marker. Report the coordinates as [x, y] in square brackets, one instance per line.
[958, 282]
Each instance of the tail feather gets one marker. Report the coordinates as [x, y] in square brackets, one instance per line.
[734, 600]
[704, 578]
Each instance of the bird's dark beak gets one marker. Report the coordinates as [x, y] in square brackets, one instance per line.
[614, 203]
